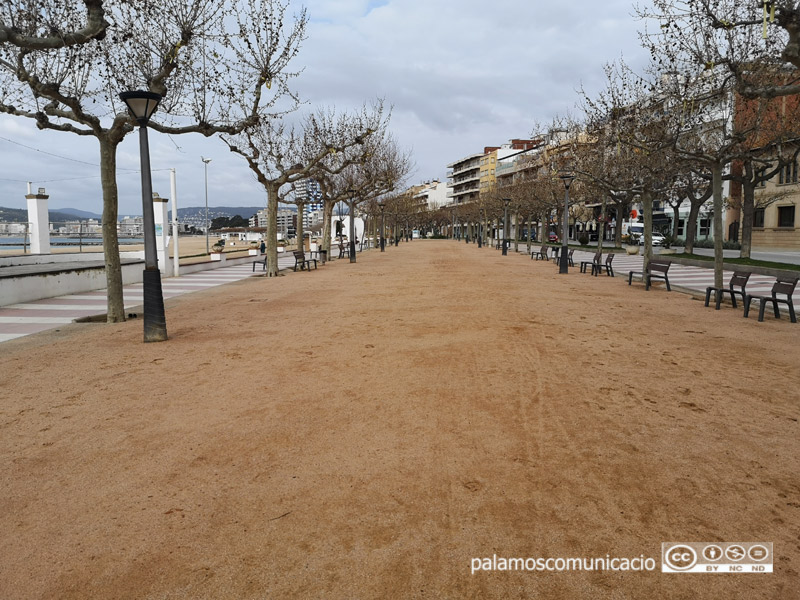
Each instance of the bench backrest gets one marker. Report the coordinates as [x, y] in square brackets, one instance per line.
[739, 279]
[609, 258]
[785, 285]
[662, 266]
[299, 254]
[543, 251]
[598, 256]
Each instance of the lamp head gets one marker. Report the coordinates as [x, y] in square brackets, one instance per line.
[141, 104]
[567, 177]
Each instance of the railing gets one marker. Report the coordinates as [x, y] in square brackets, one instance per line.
[17, 235]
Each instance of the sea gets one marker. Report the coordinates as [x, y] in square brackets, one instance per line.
[94, 243]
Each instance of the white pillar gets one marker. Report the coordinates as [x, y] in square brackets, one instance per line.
[173, 190]
[39, 220]
[162, 235]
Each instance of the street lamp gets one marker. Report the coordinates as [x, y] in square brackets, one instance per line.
[382, 206]
[142, 104]
[506, 202]
[205, 167]
[567, 177]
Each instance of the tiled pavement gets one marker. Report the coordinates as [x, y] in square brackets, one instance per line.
[18, 320]
[696, 279]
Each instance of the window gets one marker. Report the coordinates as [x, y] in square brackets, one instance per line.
[705, 227]
[786, 216]
[758, 218]
[681, 223]
[788, 174]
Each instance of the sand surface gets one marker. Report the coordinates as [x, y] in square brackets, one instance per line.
[364, 431]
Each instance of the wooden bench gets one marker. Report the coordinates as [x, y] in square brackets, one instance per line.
[595, 261]
[783, 285]
[541, 253]
[597, 268]
[300, 259]
[657, 269]
[262, 261]
[738, 279]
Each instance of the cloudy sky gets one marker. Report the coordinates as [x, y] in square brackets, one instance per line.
[460, 75]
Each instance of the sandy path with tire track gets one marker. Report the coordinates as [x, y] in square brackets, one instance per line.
[366, 430]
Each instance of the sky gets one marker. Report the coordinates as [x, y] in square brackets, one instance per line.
[460, 75]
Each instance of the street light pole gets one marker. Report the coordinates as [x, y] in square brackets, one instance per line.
[382, 205]
[506, 202]
[563, 266]
[351, 210]
[142, 104]
[205, 167]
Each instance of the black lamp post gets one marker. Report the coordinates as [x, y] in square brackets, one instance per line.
[382, 206]
[506, 202]
[142, 105]
[205, 168]
[563, 266]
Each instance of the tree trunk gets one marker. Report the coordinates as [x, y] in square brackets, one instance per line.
[272, 230]
[622, 209]
[748, 215]
[691, 226]
[676, 218]
[351, 209]
[530, 232]
[601, 227]
[108, 178]
[327, 217]
[516, 232]
[716, 172]
[647, 206]
[300, 229]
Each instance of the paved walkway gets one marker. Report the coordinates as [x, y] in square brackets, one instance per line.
[696, 279]
[18, 320]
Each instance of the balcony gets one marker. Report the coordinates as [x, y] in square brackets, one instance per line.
[469, 166]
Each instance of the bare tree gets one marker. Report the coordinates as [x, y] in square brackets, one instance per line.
[280, 155]
[743, 38]
[44, 25]
[382, 170]
[211, 63]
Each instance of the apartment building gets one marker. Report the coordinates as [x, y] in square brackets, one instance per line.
[464, 179]
[477, 173]
[431, 194]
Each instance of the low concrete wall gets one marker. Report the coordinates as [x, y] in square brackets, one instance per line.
[216, 264]
[76, 280]
[62, 257]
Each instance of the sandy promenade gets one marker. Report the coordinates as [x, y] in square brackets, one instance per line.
[364, 431]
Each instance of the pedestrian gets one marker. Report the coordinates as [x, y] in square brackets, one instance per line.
[263, 247]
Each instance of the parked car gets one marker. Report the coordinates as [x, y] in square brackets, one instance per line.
[552, 237]
[657, 239]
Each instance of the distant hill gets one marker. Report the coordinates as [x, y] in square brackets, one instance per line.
[20, 215]
[82, 214]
